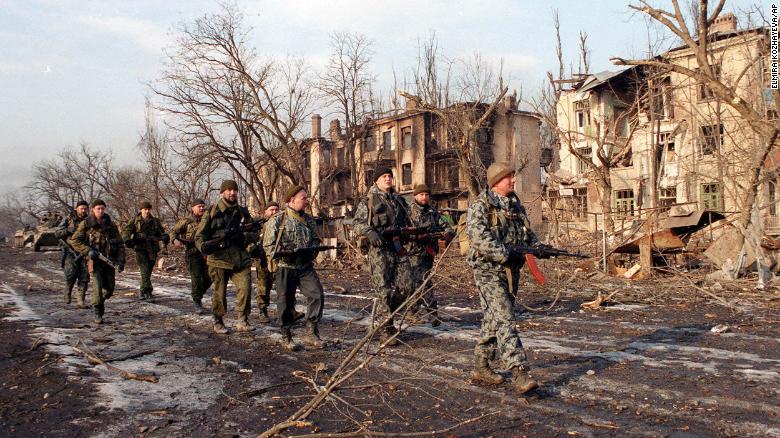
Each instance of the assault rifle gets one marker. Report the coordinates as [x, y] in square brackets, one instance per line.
[530, 253]
[225, 237]
[106, 260]
[300, 251]
[432, 242]
[543, 251]
[66, 246]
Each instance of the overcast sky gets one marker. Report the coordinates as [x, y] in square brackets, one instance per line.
[75, 71]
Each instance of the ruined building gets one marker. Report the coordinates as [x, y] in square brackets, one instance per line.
[413, 144]
[661, 138]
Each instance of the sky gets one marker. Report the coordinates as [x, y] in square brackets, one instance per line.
[75, 72]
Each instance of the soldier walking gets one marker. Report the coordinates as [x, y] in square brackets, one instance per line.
[265, 279]
[219, 236]
[294, 232]
[421, 254]
[144, 233]
[183, 233]
[97, 238]
[73, 264]
[497, 219]
[391, 274]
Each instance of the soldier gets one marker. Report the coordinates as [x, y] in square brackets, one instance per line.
[97, 239]
[391, 273]
[219, 237]
[73, 265]
[497, 218]
[265, 279]
[421, 254]
[183, 233]
[144, 233]
[295, 232]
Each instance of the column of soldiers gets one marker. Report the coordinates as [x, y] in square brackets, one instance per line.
[221, 242]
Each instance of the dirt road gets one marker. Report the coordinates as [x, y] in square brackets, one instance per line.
[631, 369]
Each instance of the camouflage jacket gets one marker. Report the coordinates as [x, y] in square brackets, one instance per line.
[68, 226]
[102, 236]
[492, 222]
[293, 230]
[255, 240]
[425, 216]
[379, 211]
[213, 224]
[185, 230]
[145, 233]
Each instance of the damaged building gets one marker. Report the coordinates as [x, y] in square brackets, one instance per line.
[414, 144]
[641, 140]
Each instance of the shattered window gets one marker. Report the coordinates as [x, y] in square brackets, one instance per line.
[711, 139]
[667, 197]
[705, 93]
[370, 143]
[406, 171]
[582, 112]
[624, 202]
[710, 196]
[406, 137]
[387, 140]
[666, 144]
[582, 163]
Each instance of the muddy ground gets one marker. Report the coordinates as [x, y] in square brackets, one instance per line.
[646, 365]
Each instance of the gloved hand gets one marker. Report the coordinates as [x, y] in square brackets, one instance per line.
[374, 239]
[129, 243]
[121, 267]
[93, 255]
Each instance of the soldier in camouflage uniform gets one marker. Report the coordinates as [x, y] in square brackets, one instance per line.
[421, 254]
[295, 230]
[497, 218]
[391, 274]
[144, 233]
[74, 266]
[183, 233]
[227, 258]
[96, 235]
[265, 279]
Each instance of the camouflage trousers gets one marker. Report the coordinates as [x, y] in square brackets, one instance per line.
[75, 271]
[498, 334]
[290, 279]
[145, 263]
[391, 276]
[242, 280]
[265, 282]
[421, 266]
[199, 276]
[103, 283]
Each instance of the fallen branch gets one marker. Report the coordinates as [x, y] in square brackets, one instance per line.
[367, 432]
[598, 302]
[95, 360]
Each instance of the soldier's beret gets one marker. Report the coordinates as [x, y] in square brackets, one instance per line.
[421, 188]
[82, 202]
[381, 170]
[228, 184]
[198, 201]
[272, 204]
[145, 204]
[293, 191]
[497, 171]
[97, 202]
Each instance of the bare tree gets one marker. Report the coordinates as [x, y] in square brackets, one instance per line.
[730, 90]
[227, 102]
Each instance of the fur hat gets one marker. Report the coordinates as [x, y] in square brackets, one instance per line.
[497, 171]
[228, 184]
[145, 204]
[421, 188]
[293, 191]
[97, 202]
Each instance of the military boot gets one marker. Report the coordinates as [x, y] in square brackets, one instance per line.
[142, 295]
[312, 338]
[297, 316]
[149, 297]
[264, 319]
[522, 381]
[389, 338]
[98, 315]
[434, 318]
[67, 292]
[483, 374]
[243, 325]
[80, 298]
[287, 340]
[198, 307]
[219, 327]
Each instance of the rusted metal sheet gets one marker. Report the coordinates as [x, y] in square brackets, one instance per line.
[660, 241]
[674, 236]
